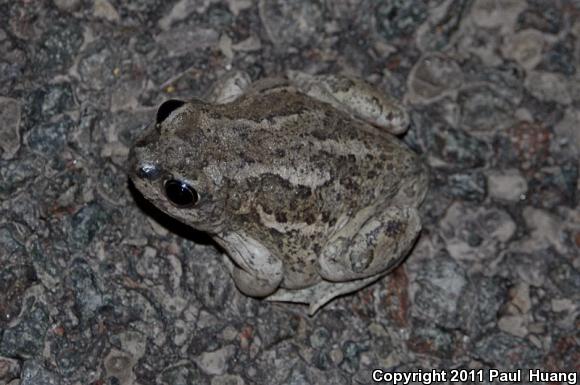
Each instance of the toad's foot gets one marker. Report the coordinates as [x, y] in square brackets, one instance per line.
[321, 293]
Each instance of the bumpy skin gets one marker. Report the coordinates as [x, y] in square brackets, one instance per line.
[309, 201]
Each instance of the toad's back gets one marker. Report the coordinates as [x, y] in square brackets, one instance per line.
[284, 147]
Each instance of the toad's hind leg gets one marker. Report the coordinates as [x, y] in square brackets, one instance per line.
[356, 96]
[366, 248]
[369, 244]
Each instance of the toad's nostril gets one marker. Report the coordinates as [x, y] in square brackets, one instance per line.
[148, 171]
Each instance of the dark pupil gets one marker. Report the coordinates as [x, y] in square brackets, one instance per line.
[180, 193]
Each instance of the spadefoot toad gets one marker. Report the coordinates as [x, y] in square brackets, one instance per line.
[298, 178]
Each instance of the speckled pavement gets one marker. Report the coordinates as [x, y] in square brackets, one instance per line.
[97, 287]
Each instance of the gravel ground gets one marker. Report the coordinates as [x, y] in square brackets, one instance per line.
[96, 287]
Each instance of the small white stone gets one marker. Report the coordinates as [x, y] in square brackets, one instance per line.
[508, 185]
[521, 298]
[180, 11]
[104, 10]
[149, 253]
[225, 46]
[494, 13]
[215, 362]
[545, 229]
[230, 333]
[236, 6]
[536, 341]
[252, 43]
[563, 304]
[336, 355]
[525, 47]
[462, 221]
[549, 86]
[513, 324]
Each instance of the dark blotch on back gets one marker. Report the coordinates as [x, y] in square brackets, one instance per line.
[281, 217]
[394, 228]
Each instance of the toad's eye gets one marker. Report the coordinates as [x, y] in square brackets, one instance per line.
[180, 193]
[167, 108]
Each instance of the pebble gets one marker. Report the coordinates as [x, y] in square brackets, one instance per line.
[10, 112]
[432, 77]
[513, 324]
[563, 304]
[102, 9]
[506, 185]
[525, 47]
[548, 86]
[475, 232]
[492, 14]
[215, 362]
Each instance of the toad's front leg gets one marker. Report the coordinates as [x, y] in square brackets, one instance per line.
[369, 244]
[257, 272]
